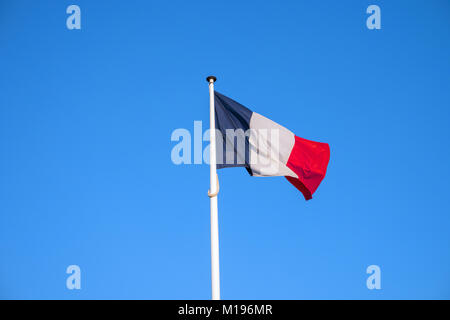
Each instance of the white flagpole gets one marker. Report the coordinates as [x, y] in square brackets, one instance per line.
[214, 190]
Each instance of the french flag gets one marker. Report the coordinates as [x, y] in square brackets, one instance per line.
[265, 148]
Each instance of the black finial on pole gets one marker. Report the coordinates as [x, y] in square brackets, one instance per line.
[211, 78]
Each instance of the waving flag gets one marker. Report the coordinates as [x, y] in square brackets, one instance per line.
[242, 138]
[265, 148]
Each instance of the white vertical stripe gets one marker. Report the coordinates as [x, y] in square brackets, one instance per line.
[270, 147]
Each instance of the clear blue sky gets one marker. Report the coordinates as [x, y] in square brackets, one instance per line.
[86, 176]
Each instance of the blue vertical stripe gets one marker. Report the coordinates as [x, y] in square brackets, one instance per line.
[232, 115]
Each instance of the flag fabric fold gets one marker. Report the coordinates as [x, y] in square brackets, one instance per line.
[265, 148]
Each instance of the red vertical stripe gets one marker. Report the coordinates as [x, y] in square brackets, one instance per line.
[309, 160]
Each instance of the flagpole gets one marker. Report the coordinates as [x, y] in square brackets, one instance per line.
[213, 191]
